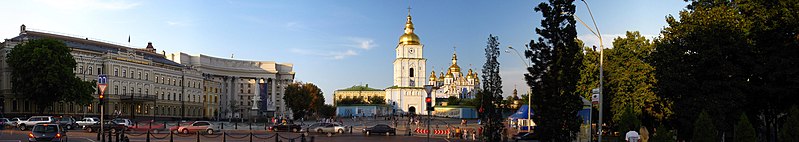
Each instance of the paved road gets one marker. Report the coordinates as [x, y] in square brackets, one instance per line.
[237, 136]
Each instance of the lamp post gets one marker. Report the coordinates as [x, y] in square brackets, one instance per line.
[529, 95]
[601, 58]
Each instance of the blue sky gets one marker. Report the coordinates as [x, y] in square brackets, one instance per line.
[334, 44]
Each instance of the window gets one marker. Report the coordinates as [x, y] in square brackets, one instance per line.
[412, 83]
[147, 76]
[90, 70]
[124, 89]
[124, 72]
[116, 71]
[411, 73]
[99, 70]
[139, 75]
[81, 70]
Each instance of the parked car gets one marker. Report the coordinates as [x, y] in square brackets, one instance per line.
[25, 125]
[327, 128]
[379, 129]
[47, 132]
[197, 126]
[176, 128]
[68, 123]
[87, 121]
[111, 126]
[286, 128]
[4, 122]
[16, 120]
[124, 121]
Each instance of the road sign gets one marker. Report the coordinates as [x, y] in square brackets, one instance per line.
[102, 79]
[102, 88]
[429, 89]
[595, 96]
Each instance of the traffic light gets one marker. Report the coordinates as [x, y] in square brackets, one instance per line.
[429, 102]
[101, 99]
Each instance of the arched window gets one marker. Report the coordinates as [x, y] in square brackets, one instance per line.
[411, 72]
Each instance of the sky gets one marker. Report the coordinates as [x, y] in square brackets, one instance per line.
[333, 44]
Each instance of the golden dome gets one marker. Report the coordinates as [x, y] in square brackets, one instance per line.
[409, 38]
[469, 75]
[454, 67]
[441, 77]
[433, 76]
[449, 74]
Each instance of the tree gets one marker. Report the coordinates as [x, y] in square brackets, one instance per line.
[662, 134]
[303, 99]
[704, 131]
[744, 132]
[377, 100]
[629, 121]
[790, 130]
[491, 93]
[452, 100]
[327, 111]
[702, 62]
[43, 74]
[557, 59]
[351, 100]
[630, 80]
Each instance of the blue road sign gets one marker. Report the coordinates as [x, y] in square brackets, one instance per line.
[102, 79]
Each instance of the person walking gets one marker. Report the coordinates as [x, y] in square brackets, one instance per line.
[632, 136]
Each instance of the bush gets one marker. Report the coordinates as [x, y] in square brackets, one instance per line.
[704, 130]
[662, 135]
[628, 122]
[744, 132]
[790, 130]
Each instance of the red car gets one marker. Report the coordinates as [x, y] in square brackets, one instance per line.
[197, 126]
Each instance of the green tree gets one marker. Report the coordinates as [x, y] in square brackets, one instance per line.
[377, 100]
[42, 72]
[704, 131]
[662, 134]
[327, 111]
[629, 121]
[303, 99]
[790, 129]
[631, 80]
[744, 132]
[557, 59]
[701, 63]
[491, 93]
[452, 100]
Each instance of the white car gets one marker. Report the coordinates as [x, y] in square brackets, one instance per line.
[327, 128]
[24, 125]
[88, 121]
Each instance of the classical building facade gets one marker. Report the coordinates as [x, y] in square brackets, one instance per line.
[246, 89]
[142, 83]
[357, 91]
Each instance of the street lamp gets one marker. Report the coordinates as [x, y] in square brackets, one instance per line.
[601, 58]
[529, 95]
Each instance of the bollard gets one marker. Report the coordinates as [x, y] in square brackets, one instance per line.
[236, 125]
[110, 138]
[224, 137]
[98, 135]
[148, 136]
[277, 137]
[170, 136]
[250, 136]
[250, 126]
[198, 136]
[312, 138]
[221, 126]
[302, 138]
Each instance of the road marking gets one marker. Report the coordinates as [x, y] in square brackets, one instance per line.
[10, 141]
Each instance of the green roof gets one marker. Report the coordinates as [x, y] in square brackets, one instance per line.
[359, 88]
[396, 87]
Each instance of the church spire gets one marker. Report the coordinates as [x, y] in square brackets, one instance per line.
[409, 38]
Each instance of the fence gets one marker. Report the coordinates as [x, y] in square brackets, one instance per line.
[198, 137]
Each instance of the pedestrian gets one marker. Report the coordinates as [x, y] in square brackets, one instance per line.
[644, 134]
[632, 136]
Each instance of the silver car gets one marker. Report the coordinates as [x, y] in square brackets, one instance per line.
[327, 128]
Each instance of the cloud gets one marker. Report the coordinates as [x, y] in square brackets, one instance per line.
[607, 39]
[90, 4]
[337, 55]
[362, 43]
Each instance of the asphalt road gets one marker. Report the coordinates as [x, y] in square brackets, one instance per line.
[238, 136]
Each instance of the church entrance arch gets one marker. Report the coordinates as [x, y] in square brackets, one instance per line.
[412, 110]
